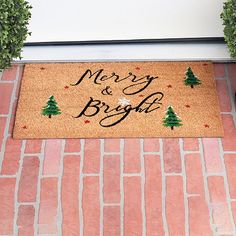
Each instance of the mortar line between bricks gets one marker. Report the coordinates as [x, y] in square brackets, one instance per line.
[47, 235]
[186, 210]
[229, 152]
[143, 181]
[3, 115]
[7, 81]
[31, 154]
[233, 199]
[122, 144]
[231, 93]
[59, 204]
[7, 176]
[190, 152]
[214, 174]
[91, 175]
[111, 204]
[72, 153]
[173, 174]
[226, 185]
[26, 204]
[101, 197]
[220, 78]
[18, 175]
[8, 121]
[163, 189]
[81, 186]
[193, 195]
[115, 154]
[227, 113]
[41, 161]
[206, 189]
[151, 153]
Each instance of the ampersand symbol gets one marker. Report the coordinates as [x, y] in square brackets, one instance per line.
[107, 91]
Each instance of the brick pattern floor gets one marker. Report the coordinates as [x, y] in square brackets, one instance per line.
[115, 187]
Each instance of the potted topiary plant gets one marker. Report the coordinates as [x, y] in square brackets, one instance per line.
[14, 19]
[229, 21]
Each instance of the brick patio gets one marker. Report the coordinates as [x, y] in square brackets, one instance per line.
[115, 187]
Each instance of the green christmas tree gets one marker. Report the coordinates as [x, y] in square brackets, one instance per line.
[51, 108]
[190, 78]
[171, 119]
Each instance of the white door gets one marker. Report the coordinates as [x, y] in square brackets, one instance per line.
[92, 20]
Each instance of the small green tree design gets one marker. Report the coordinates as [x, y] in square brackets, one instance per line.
[51, 108]
[171, 119]
[191, 79]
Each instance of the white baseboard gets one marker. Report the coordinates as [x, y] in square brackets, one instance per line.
[123, 52]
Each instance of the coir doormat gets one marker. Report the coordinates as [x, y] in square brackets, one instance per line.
[118, 99]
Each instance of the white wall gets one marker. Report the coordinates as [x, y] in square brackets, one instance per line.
[78, 20]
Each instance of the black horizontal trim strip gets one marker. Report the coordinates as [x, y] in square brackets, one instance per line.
[130, 41]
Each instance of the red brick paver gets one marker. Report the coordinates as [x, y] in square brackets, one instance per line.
[224, 97]
[212, 155]
[11, 157]
[111, 179]
[9, 74]
[111, 221]
[171, 152]
[7, 189]
[153, 195]
[33, 146]
[28, 180]
[230, 162]
[132, 156]
[175, 205]
[5, 97]
[195, 180]
[48, 206]
[219, 70]
[25, 220]
[91, 206]
[111, 187]
[132, 206]
[191, 144]
[199, 219]
[69, 196]
[72, 145]
[91, 156]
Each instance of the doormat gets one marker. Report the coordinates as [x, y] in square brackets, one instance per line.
[118, 99]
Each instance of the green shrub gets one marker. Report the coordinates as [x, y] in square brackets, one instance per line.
[14, 18]
[229, 21]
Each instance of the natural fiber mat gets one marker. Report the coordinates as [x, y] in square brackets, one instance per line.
[118, 99]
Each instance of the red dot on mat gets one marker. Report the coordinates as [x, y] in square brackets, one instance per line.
[141, 95]
[66, 87]
[187, 106]
[169, 86]
[137, 68]
[24, 127]
[86, 121]
[42, 68]
[206, 126]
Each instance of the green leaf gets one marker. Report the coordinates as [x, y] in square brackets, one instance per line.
[14, 19]
[228, 16]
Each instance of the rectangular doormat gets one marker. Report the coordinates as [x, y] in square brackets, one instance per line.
[118, 99]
